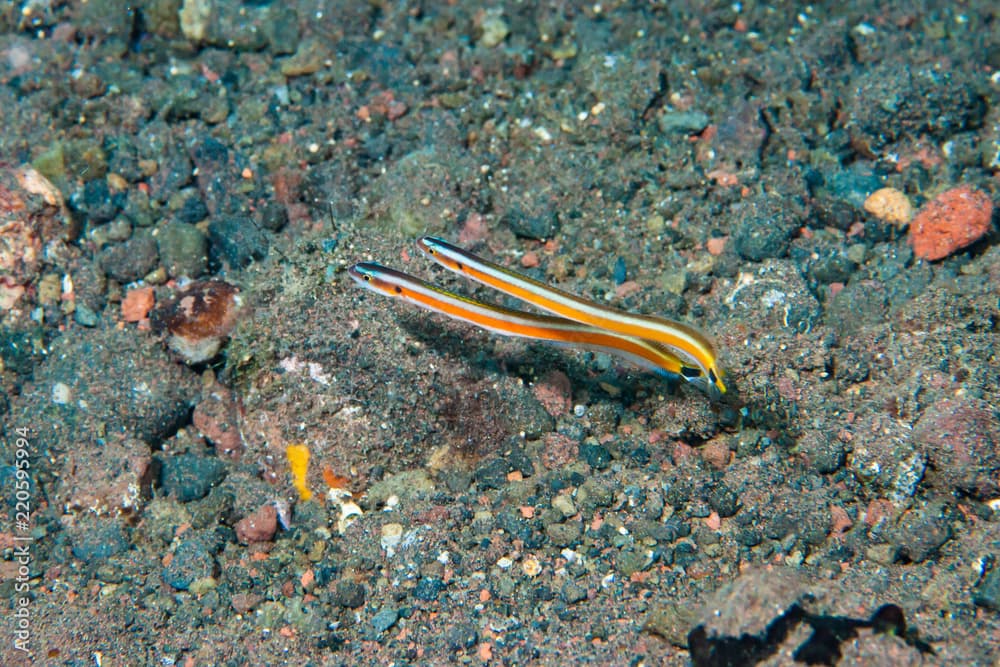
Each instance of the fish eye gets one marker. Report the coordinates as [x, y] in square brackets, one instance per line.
[398, 289]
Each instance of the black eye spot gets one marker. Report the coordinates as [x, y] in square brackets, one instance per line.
[711, 376]
[367, 278]
[460, 266]
[399, 290]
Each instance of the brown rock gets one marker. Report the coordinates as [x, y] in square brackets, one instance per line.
[961, 437]
[259, 526]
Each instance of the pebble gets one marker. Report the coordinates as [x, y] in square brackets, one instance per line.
[893, 99]
[61, 393]
[137, 303]
[259, 526]
[96, 201]
[840, 193]
[462, 637]
[753, 600]
[776, 296]
[392, 535]
[572, 592]
[217, 418]
[95, 540]
[494, 28]
[597, 456]
[85, 316]
[534, 222]
[961, 438]
[349, 594]
[129, 261]
[922, 531]
[564, 534]
[594, 494]
[682, 122]
[384, 620]
[822, 452]
[119, 229]
[183, 249]
[564, 504]
[672, 622]
[190, 477]
[951, 221]
[191, 561]
[414, 192]
[890, 205]
[237, 240]
[723, 500]
[986, 594]
[273, 216]
[492, 474]
[137, 208]
[531, 567]
[203, 585]
[765, 232]
[634, 559]
[191, 208]
[428, 589]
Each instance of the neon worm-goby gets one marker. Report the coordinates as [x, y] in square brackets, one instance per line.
[654, 343]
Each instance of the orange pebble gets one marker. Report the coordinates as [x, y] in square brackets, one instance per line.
[951, 221]
[716, 245]
[485, 651]
[137, 304]
[889, 205]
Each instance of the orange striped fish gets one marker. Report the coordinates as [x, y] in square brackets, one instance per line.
[655, 343]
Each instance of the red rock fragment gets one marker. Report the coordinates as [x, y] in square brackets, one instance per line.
[961, 437]
[716, 452]
[554, 392]
[114, 480]
[951, 221]
[715, 246]
[217, 418]
[137, 304]
[259, 526]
